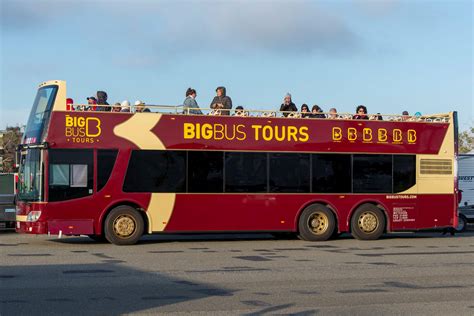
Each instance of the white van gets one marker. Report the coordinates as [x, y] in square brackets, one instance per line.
[466, 184]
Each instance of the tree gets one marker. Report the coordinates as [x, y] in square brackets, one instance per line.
[466, 141]
[10, 141]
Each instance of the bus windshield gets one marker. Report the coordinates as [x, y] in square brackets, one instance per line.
[40, 113]
[29, 183]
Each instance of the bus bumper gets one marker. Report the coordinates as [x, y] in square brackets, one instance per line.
[31, 227]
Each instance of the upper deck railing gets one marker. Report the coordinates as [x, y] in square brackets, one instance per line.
[182, 110]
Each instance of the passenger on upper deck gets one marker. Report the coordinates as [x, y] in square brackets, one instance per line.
[221, 101]
[102, 100]
[125, 106]
[190, 102]
[140, 107]
[361, 113]
[405, 116]
[317, 112]
[305, 110]
[69, 104]
[117, 107]
[333, 114]
[288, 105]
[92, 101]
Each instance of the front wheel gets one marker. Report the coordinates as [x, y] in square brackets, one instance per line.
[316, 223]
[462, 224]
[124, 226]
[368, 222]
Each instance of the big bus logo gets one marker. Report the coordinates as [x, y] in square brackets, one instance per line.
[82, 129]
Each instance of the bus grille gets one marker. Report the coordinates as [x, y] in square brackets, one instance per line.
[436, 166]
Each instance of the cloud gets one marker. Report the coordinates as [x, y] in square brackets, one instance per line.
[180, 27]
[246, 26]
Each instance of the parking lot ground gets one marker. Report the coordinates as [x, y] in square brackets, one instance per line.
[252, 274]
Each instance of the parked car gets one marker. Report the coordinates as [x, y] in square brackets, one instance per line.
[7, 200]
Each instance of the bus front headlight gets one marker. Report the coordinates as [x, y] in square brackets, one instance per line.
[33, 216]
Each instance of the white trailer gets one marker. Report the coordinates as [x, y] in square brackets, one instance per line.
[466, 178]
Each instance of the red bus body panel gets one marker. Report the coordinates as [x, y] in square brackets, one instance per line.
[241, 212]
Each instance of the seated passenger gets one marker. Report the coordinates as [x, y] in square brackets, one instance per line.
[221, 101]
[69, 104]
[117, 107]
[405, 116]
[92, 101]
[125, 105]
[305, 110]
[287, 105]
[140, 107]
[317, 112]
[190, 102]
[102, 100]
[239, 111]
[333, 114]
[361, 113]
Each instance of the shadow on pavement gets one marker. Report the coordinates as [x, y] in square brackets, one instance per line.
[93, 289]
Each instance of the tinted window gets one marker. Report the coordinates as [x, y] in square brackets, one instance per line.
[372, 174]
[331, 173]
[105, 164]
[246, 172]
[404, 172]
[70, 174]
[205, 171]
[289, 172]
[156, 171]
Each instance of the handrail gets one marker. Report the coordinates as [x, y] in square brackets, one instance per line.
[180, 109]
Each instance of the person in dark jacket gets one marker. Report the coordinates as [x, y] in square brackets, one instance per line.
[102, 100]
[305, 110]
[317, 112]
[361, 113]
[221, 101]
[288, 105]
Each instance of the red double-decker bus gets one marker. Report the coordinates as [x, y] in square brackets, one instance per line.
[117, 176]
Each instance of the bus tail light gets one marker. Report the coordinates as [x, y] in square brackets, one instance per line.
[33, 216]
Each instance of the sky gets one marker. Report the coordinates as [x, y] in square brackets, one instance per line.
[389, 55]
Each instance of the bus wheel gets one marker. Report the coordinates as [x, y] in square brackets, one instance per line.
[462, 224]
[368, 222]
[316, 223]
[124, 226]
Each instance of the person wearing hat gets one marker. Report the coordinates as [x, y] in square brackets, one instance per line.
[92, 101]
[405, 116]
[287, 105]
[125, 106]
[140, 107]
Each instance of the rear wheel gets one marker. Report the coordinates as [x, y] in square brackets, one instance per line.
[316, 223]
[124, 225]
[368, 222]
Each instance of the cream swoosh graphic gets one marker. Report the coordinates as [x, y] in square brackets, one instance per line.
[137, 130]
[160, 210]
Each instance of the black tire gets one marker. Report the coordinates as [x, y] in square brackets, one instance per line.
[316, 223]
[123, 226]
[98, 238]
[462, 224]
[368, 222]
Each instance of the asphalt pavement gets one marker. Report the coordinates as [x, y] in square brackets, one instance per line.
[255, 274]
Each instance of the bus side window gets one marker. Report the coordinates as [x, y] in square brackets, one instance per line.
[70, 174]
[156, 171]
